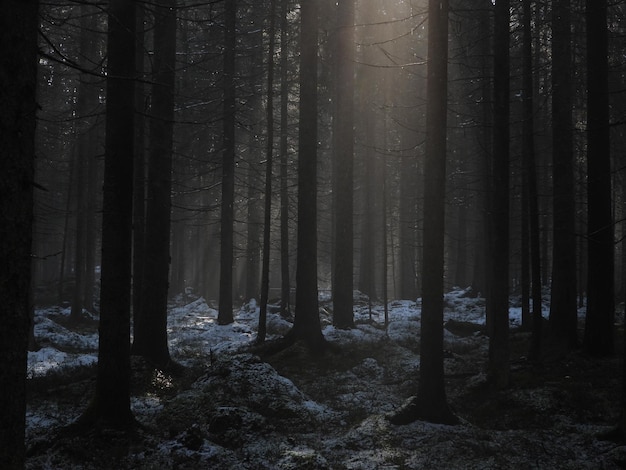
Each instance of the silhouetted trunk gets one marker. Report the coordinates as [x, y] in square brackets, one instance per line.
[139, 181]
[225, 314]
[111, 403]
[150, 339]
[306, 324]
[343, 130]
[598, 338]
[18, 84]
[530, 174]
[269, 159]
[285, 284]
[563, 316]
[87, 102]
[498, 301]
[431, 403]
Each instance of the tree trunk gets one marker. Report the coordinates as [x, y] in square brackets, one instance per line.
[598, 339]
[530, 172]
[563, 316]
[431, 403]
[111, 403]
[225, 315]
[343, 130]
[284, 162]
[139, 180]
[18, 84]
[498, 301]
[307, 322]
[265, 269]
[151, 332]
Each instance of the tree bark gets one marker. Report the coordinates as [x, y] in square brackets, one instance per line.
[111, 403]
[598, 338]
[225, 315]
[151, 332]
[498, 369]
[431, 403]
[343, 130]
[307, 325]
[563, 310]
[18, 84]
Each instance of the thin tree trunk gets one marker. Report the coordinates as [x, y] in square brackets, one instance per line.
[530, 172]
[269, 153]
[225, 315]
[284, 154]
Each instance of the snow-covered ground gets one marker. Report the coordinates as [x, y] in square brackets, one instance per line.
[241, 409]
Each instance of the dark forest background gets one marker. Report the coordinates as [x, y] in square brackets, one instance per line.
[273, 150]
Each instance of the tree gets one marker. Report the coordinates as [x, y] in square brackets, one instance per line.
[285, 286]
[431, 403]
[150, 338]
[225, 315]
[530, 183]
[498, 301]
[111, 403]
[598, 338]
[343, 130]
[306, 324]
[563, 316]
[18, 83]
[265, 271]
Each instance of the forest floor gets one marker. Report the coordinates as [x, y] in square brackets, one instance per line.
[237, 408]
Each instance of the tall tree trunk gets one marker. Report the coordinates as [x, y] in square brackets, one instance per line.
[18, 84]
[111, 403]
[284, 162]
[530, 172]
[563, 316]
[269, 159]
[499, 284]
[150, 339]
[431, 403]
[598, 339]
[307, 322]
[139, 181]
[87, 103]
[225, 315]
[343, 130]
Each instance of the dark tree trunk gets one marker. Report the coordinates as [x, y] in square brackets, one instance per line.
[87, 103]
[284, 163]
[499, 264]
[269, 153]
[343, 130]
[598, 339]
[18, 83]
[431, 403]
[111, 403]
[407, 225]
[307, 322]
[225, 315]
[150, 339]
[563, 316]
[530, 173]
[368, 246]
[139, 181]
